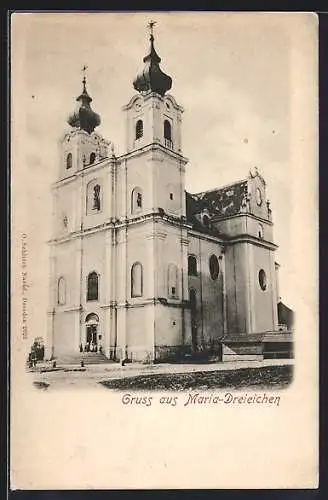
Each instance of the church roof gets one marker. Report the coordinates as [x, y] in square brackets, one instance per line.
[152, 78]
[221, 202]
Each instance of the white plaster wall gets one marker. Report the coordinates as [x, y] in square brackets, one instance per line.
[210, 305]
[153, 110]
[232, 226]
[169, 326]
[136, 172]
[64, 340]
[252, 228]
[65, 265]
[265, 306]
[93, 251]
[169, 176]
[236, 279]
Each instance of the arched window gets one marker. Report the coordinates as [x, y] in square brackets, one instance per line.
[92, 158]
[61, 291]
[167, 130]
[214, 267]
[192, 265]
[69, 161]
[136, 199]
[136, 280]
[173, 281]
[139, 129]
[92, 293]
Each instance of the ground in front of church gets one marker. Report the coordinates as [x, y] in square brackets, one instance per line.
[267, 374]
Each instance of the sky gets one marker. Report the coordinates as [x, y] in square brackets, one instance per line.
[231, 73]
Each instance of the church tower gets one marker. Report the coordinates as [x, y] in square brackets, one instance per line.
[81, 209]
[119, 280]
[152, 240]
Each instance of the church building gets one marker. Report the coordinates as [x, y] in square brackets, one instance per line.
[142, 270]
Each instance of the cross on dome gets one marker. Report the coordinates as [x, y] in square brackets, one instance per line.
[151, 25]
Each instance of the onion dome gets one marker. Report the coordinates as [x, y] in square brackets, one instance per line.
[84, 117]
[152, 78]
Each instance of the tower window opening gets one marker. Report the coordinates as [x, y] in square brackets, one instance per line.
[139, 129]
[167, 134]
[92, 158]
[69, 161]
[171, 196]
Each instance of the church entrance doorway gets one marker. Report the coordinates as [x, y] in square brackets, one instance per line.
[92, 334]
[91, 337]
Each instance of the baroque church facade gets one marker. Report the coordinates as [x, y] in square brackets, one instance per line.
[142, 269]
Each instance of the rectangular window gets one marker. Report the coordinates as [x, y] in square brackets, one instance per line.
[173, 290]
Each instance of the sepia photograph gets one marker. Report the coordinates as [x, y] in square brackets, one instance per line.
[163, 193]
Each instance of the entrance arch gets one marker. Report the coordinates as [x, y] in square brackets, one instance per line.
[91, 338]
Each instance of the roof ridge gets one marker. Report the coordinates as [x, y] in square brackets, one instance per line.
[219, 188]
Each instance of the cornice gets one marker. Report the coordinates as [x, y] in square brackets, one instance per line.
[152, 147]
[114, 224]
[83, 172]
[204, 236]
[247, 238]
[241, 214]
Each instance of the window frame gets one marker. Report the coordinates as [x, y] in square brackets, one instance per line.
[214, 273]
[60, 302]
[139, 129]
[167, 130]
[262, 279]
[194, 258]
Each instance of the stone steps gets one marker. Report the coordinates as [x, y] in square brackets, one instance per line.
[89, 358]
